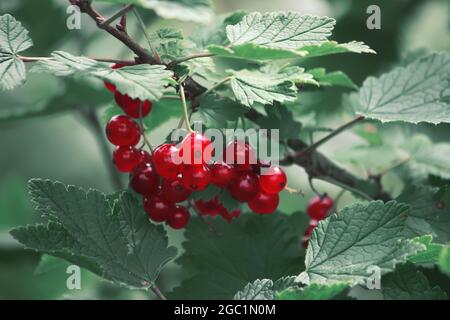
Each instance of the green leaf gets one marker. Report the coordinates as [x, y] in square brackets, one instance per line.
[335, 78]
[267, 84]
[313, 292]
[54, 240]
[207, 194]
[146, 82]
[444, 260]
[332, 47]
[426, 216]
[284, 30]
[217, 112]
[430, 255]
[186, 10]
[416, 93]
[249, 248]
[13, 40]
[280, 117]
[428, 157]
[114, 234]
[258, 290]
[13, 36]
[215, 33]
[408, 283]
[251, 51]
[345, 245]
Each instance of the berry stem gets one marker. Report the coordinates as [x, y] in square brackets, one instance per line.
[185, 108]
[144, 31]
[142, 128]
[157, 292]
[118, 14]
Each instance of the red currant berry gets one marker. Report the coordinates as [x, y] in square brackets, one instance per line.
[175, 191]
[264, 203]
[228, 216]
[145, 157]
[126, 158]
[240, 154]
[273, 180]
[208, 208]
[319, 207]
[109, 85]
[245, 187]
[166, 161]
[196, 178]
[178, 217]
[133, 107]
[157, 207]
[144, 179]
[222, 174]
[122, 131]
[308, 232]
[196, 149]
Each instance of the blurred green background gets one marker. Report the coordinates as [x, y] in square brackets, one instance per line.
[64, 147]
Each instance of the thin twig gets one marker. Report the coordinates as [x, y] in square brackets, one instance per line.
[193, 56]
[331, 135]
[109, 60]
[144, 31]
[157, 292]
[185, 109]
[86, 7]
[118, 14]
[142, 128]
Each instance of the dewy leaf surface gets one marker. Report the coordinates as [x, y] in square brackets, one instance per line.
[419, 92]
[345, 245]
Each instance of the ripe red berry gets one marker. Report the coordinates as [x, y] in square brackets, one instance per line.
[157, 207]
[195, 149]
[166, 161]
[264, 203]
[319, 207]
[222, 174]
[175, 191]
[122, 131]
[144, 157]
[308, 232]
[132, 107]
[126, 158]
[273, 180]
[144, 179]
[245, 187]
[196, 177]
[109, 85]
[178, 217]
[213, 207]
[240, 154]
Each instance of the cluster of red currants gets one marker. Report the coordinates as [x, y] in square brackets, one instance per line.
[172, 172]
[318, 209]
